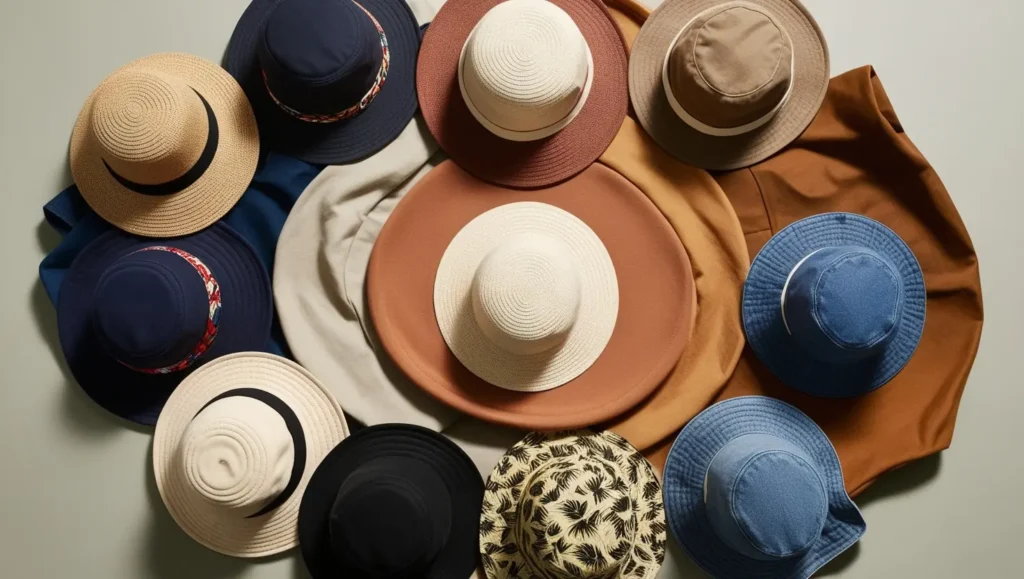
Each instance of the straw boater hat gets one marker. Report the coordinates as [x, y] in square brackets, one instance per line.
[165, 145]
[753, 488]
[523, 93]
[235, 448]
[393, 501]
[553, 308]
[834, 304]
[331, 81]
[572, 504]
[725, 84]
[135, 316]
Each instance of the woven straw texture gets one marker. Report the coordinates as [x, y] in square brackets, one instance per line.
[572, 504]
[511, 163]
[218, 528]
[647, 93]
[145, 114]
[514, 280]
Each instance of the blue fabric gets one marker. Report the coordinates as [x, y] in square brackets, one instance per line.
[776, 503]
[855, 309]
[258, 217]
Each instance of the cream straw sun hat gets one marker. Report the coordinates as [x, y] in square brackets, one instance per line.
[725, 84]
[542, 292]
[235, 447]
[165, 145]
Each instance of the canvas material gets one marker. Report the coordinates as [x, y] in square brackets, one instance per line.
[843, 304]
[731, 65]
[856, 157]
[258, 217]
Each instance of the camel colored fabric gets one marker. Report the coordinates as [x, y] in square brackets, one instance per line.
[856, 157]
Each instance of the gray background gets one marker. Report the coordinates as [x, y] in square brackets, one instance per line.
[77, 496]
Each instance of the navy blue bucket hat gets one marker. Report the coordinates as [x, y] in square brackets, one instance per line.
[135, 316]
[330, 81]
[834, 305]
[753, 488]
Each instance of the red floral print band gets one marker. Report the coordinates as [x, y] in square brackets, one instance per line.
[212, 320]
[364, 102]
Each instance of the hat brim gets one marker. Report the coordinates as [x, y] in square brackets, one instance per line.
[508, 480]
[762, 313]
[323, 425]
[460, 555]
[198, 205]
[344, 141]
[657, 299]
[687, 466]
[244, 324]
[647, 92]
[514, 163]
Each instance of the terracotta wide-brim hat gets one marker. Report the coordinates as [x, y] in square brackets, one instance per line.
[392, 500]
[725, 84]
[137, 315]
[236, 446]
[165, 146]
[573, 504]
[578, 87]
[654, 317]
[331, 81]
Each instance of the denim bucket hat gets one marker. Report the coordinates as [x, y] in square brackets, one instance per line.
[137, 315]
[753, 488]
[834, 305]
[331, 81]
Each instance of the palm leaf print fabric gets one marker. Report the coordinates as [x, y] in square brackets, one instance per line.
[572, 505]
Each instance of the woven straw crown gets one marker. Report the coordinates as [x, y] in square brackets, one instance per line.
[151, 126]
[525, 70]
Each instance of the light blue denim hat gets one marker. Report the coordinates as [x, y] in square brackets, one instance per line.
[834, 305]
[753, 488]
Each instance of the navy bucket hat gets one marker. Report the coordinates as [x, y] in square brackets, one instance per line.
[753, 488]
[392, 501]
[135, 316]
[331, 81]
[834, 305]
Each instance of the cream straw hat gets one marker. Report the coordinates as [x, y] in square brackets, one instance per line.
[235, 446]
[526, 296]
[165, 145]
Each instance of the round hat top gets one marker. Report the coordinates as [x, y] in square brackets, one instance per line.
[526, 293]
[237, 455]
[765, 497]
[843, 304]
[730, 69]
[151, 126]
[525, 69]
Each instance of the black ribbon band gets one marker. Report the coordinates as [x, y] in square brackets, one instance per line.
[192, 175]
[294, 428]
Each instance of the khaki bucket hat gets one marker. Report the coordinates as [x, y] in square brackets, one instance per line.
[722, 85]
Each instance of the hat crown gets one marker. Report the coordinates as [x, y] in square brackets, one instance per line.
[320, 56]
[525, 66]
[843, 304]
[578, 506]
[390, 518]
[151, 127]
[526, 293]
[151, 309]
[237, 454]
[730, 67]
[765, 497]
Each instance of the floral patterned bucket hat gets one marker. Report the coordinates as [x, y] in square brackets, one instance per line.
[572, 504]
